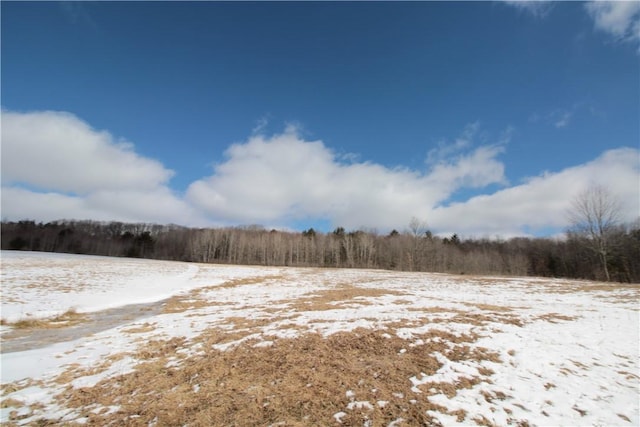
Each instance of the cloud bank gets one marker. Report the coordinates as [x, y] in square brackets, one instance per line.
[542, 201]
[56, 166]
[284, 177]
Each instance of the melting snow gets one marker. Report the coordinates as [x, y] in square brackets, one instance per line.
[574, 360]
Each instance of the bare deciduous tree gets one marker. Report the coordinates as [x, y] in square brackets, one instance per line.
[580, 256]
[594, 214]
[417, 227]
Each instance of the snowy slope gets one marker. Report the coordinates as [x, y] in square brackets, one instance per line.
[569, 351]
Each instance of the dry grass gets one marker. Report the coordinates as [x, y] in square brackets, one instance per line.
[629, 375]
[145, 327]
[236, 323]
[182, 303]
[434, 309]
[8, 403]
[555, 318]
[482, 319]
[245, 281]
[338, 297]
[295, 382]
[601, 287]
[489, 307]
[75, 370]
[69, 318]
[620, 292]
[495, 314]
[365, 374]
[8, 388]
[195, 299]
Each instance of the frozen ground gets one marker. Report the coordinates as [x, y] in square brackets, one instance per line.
[564, 352]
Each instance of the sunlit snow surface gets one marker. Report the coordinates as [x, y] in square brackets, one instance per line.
[573, 360]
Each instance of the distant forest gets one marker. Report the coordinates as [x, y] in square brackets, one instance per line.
[416, 249]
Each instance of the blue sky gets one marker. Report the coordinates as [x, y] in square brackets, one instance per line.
[482, 118]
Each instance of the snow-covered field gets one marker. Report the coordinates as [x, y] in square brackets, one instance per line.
[516, 351]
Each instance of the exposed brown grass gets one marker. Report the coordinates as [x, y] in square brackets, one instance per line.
[435, 309]
[495, 314]
[295, 382]
[629, 375]
[606, 287]
[9, 388]
[338, 297]
[69, 318]
[75, 370]
[481, 319]
[156, 349]
[8, 403]
[555, 318]
[482, 421]
[251, 325]
[617, 291]
[145, 327]
[245, 281]
[196, 300]
[489, 307]
[182, 303]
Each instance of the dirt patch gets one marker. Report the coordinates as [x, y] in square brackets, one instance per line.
[356, 377]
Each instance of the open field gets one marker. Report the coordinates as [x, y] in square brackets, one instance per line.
[233, 345]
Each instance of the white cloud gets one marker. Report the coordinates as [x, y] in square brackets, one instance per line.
[56, 166]
[156, 206]
[537, 8]
[446, 149]
[58, 151]
[542, 202]
[19, 203]
[285, 177]
[473, 170]
[621, 19]
[563, 118]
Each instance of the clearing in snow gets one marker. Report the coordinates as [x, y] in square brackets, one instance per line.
[98, 341]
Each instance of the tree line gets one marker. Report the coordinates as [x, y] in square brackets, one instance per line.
[415, 249]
